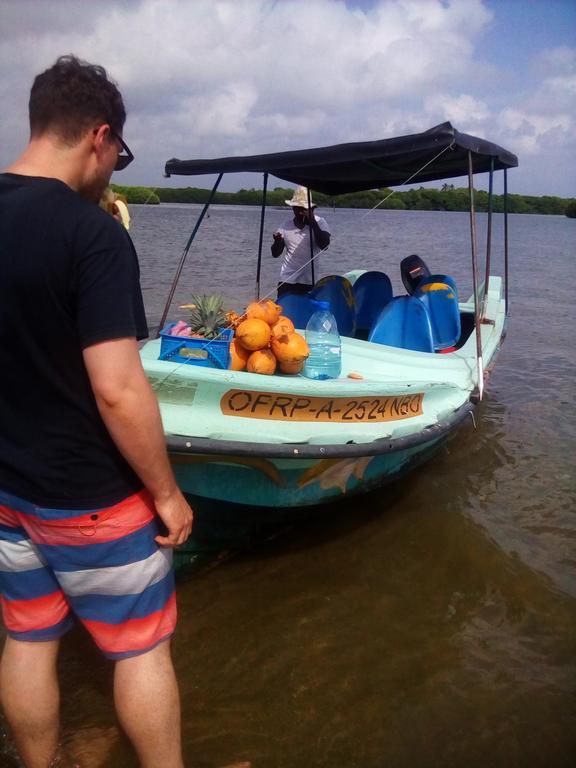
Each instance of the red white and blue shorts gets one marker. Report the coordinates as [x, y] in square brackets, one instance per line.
[99, 566]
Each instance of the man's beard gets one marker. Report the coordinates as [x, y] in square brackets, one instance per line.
[94, 190]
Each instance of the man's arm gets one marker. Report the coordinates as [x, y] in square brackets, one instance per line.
[278, 245]
[129, 409]
[321, 237]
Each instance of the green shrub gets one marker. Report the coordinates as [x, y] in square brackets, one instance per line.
[137, 195]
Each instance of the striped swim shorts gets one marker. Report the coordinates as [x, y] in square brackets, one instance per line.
[99, 566]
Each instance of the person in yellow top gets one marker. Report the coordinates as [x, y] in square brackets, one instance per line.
[116, 205]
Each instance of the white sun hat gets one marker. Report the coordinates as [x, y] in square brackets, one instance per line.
[300, 198]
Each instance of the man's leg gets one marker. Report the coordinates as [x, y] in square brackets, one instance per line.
[31, 699]
[298, 288]
[148, 706]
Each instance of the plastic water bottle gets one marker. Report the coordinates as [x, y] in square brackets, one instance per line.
[324, 361]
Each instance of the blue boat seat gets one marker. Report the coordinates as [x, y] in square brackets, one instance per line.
[441, 300]
[372, 291]
[337, 290]
[299, 307]
[404, 323]
[438, 279]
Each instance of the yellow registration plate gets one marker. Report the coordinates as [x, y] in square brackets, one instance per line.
[284, 407]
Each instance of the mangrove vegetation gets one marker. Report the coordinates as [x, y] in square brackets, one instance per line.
[448, 198]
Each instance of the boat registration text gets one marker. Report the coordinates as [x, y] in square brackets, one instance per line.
[284, 407]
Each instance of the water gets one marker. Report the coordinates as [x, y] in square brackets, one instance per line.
[324, 361]
[430, 625]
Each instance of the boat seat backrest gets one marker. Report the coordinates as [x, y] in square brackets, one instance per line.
[441, 301]
[403, 323]
[438, 279]
[299, 307]
[372, 291]
[337, 290]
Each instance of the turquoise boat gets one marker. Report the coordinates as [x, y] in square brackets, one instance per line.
[408, 381]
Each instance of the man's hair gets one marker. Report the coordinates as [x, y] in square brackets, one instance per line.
[73, 96]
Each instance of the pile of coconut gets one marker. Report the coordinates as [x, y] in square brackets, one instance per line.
[265, 340]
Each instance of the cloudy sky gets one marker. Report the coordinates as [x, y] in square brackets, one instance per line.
[205, 78]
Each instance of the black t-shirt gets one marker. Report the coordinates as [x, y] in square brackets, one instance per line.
[69, 278]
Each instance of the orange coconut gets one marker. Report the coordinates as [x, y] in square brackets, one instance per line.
[238, 356]
[282, 325]
[253, 334]
[291, 367]
[261, 361]
[265, 310]
[290, 347]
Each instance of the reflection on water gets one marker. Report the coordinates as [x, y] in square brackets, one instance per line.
[430, 624]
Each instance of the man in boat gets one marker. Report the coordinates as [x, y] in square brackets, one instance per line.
[89, 508]
[294, 236]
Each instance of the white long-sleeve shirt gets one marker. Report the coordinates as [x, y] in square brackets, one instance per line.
[296, 267]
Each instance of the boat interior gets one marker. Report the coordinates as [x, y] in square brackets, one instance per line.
[425, 319]
[429, 317]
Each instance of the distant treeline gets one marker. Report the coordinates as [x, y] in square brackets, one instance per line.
[143, 195]
[448, 198]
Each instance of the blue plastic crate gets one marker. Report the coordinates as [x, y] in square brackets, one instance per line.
[210, 353]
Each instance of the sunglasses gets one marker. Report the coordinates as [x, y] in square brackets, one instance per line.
[124, 158]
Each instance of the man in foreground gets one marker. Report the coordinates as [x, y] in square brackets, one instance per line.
[89, 508]
[294, 236]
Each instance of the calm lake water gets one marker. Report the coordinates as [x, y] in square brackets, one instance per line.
[428, 625]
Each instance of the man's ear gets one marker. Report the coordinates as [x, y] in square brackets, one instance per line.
[101, 136]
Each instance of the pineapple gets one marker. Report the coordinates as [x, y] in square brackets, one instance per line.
[207, 315]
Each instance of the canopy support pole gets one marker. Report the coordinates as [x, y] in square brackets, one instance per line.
[488, 239]
[262, 214]
[480, 365]
[185, 254]
[311, 235]
[506, 240]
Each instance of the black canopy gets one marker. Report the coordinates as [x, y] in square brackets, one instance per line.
[365, 165]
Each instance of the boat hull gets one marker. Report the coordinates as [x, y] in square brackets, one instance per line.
[266, 482]
[226, 521]
[287, 442]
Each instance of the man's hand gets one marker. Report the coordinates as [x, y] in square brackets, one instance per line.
[308, 214]
[277, 245]
[177, 516]
[130, 411]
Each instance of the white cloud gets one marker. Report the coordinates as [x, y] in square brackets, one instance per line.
[532, 130]
[556, 61]
[257, 60]
[545, 118]
[464, 110]
[217, 77]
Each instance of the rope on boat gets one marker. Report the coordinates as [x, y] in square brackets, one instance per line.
[392, 191]
[136, 215]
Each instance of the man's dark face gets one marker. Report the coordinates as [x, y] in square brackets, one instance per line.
[299, 214]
